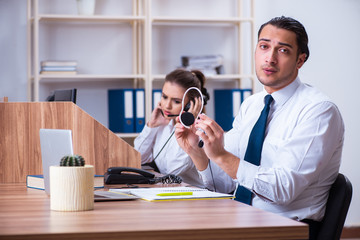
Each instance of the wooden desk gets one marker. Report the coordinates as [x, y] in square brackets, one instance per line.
[25, 214]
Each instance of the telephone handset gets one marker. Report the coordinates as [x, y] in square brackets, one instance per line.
[187, 107]
[127, 175]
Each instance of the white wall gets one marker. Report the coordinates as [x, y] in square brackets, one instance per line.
[333, 29]
[13, 82]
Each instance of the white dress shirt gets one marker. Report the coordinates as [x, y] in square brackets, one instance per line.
[300, 157]
[172, 159]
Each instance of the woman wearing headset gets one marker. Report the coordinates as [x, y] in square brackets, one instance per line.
[156, 143]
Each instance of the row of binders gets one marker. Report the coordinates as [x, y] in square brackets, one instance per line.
[227, 104]
[127, 107]
[126, 110]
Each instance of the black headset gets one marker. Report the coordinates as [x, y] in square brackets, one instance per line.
[187, 118]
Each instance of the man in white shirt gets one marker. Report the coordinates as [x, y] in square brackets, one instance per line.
[304, 137]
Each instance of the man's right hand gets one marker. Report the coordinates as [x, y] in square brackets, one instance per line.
[188, 141]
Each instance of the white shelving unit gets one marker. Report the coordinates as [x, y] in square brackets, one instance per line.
[160, 32]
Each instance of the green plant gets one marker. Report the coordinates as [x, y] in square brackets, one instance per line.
[72, 161]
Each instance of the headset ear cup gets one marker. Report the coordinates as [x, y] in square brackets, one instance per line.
[187, 118]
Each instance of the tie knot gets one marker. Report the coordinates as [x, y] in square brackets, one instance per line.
[268, 100]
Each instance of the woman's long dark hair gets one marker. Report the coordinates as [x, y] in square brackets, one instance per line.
[188, 79]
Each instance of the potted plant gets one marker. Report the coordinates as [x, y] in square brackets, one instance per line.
[72, 185]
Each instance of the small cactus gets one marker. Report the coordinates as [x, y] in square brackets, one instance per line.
[72, 161]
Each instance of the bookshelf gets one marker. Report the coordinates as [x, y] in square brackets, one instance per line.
[134, 43]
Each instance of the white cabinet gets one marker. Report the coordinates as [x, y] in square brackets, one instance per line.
[134, 43]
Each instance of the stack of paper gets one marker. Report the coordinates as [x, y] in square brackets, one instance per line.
[173, 193]
[58, 67]
[208, 64]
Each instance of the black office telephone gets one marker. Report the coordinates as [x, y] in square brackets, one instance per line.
[128, 175]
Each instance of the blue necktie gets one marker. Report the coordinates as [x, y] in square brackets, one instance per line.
[254, 148]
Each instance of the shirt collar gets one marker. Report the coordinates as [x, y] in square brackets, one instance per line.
[172, 123]
[281, 96]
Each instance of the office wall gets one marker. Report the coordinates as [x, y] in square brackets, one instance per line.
[13, 82]
[333, 31]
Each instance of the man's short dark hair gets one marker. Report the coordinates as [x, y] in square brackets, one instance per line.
[294, 26]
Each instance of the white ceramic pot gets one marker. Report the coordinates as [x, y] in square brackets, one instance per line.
[72, 188]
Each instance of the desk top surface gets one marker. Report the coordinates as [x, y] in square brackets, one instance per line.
[25, 214]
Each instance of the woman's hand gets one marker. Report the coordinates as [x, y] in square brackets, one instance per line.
[157, 118]
[195, 106]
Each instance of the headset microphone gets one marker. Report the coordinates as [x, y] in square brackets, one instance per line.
[201, 142]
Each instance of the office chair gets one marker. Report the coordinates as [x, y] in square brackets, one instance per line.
[336, 209]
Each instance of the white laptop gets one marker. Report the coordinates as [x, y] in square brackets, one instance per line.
[55, 144]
